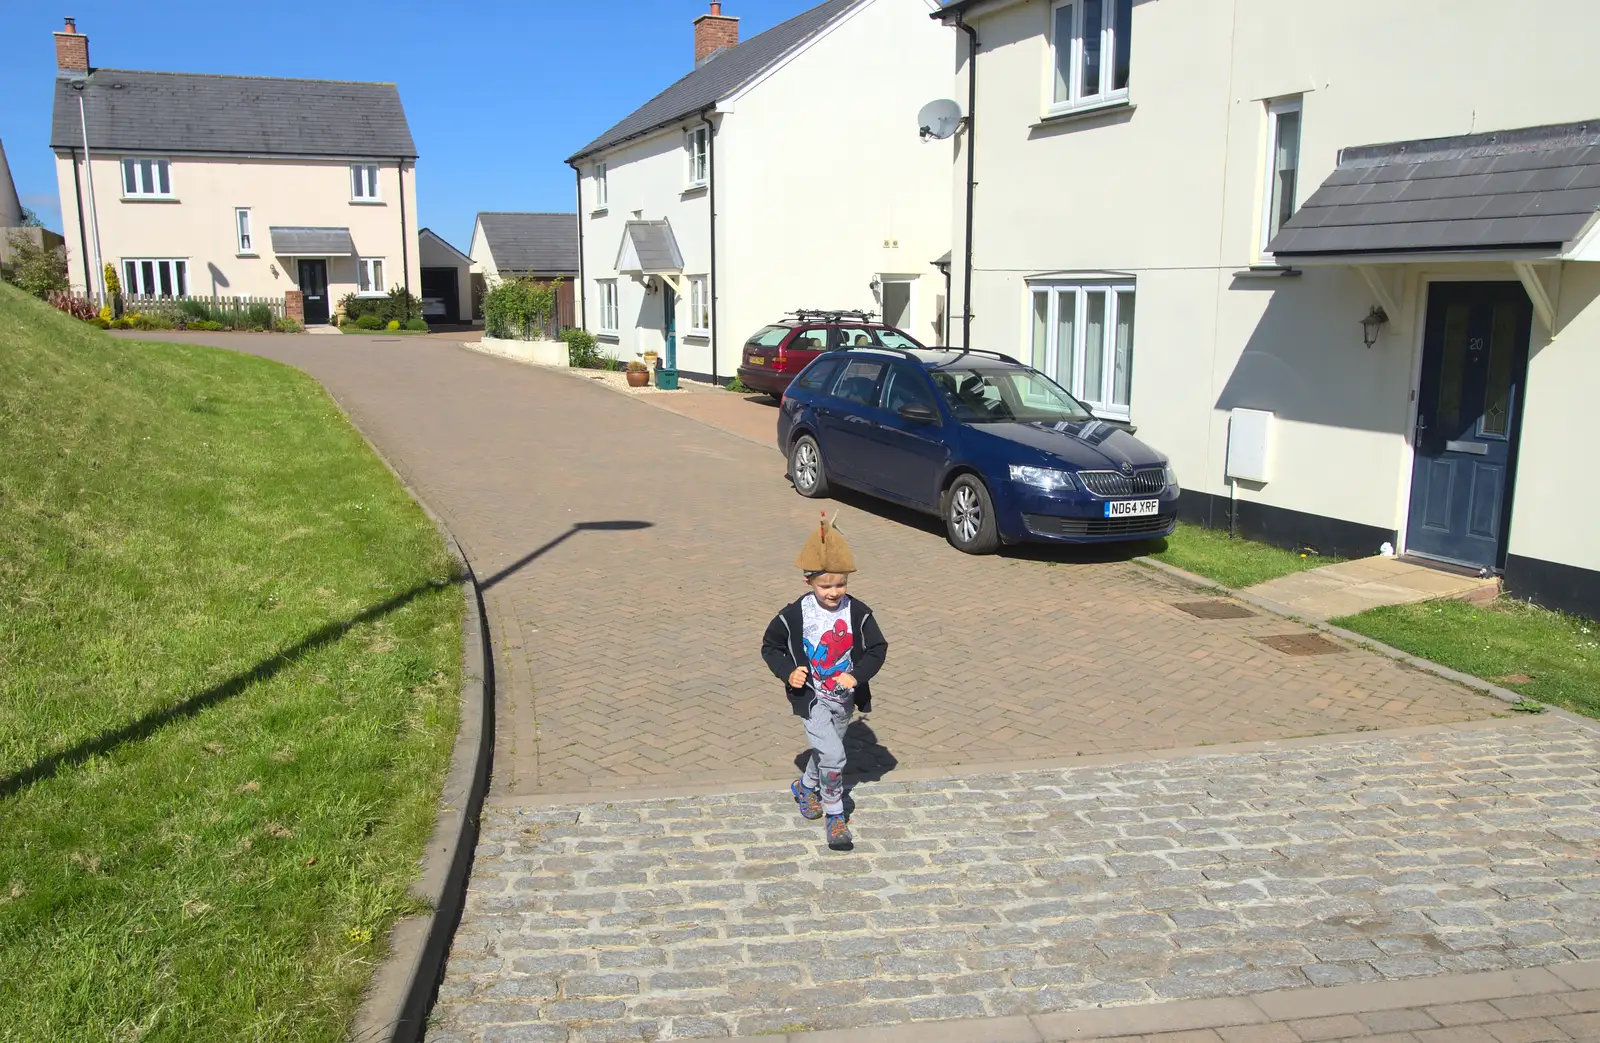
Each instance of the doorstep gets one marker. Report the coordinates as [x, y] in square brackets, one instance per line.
[1351, 587]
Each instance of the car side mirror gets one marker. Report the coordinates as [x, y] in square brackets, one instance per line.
[918, 413]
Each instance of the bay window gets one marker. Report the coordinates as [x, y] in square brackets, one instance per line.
[1082, 336]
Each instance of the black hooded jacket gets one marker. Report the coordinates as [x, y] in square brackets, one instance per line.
[783, 649]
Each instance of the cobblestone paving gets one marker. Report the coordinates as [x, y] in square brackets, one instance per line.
[1468, 848]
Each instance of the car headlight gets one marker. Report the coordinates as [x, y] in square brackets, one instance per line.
[1171, 474]
[1046, 478]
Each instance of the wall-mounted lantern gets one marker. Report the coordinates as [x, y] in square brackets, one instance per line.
[1375, 320]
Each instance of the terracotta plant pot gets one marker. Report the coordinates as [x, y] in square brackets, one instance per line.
[638, 378]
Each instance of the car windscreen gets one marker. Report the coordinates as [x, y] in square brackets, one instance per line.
[991, 395]
[896, 339]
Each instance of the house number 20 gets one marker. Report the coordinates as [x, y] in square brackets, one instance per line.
[1474, 343]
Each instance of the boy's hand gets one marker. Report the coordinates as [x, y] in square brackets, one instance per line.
[797, 679]
[845, 680]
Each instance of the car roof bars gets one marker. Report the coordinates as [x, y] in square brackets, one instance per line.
[827, 315]
[959, 352]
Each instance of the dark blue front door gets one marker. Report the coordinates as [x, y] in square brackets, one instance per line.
[1474, 359]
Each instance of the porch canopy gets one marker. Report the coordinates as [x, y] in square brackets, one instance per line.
[1527, 196]
[649, 248]
[312, 242]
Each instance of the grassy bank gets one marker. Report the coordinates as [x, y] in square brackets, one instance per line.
[229, 654]
[1233, 563]
[1545, 656]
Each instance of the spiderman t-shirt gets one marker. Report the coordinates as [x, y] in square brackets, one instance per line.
[828, 642]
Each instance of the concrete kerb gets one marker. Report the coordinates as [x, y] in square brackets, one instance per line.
[398, 999]
[1200, 1015]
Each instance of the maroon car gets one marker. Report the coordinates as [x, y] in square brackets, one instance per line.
[776, 353]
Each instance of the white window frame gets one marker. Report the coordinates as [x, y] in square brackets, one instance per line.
[1076, 99]
[244, 231]
[370, 273]
[141, 177]
[610, 313]
[1275, 111]
[698, 146]
[366, 183]
[602, 188]
[1099, 399]
[135, 276]
[700, 305]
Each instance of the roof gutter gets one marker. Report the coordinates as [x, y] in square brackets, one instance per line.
[573, 159]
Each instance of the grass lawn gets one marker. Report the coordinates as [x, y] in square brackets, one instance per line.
[229, 659]
[1503, 641]
[1233, 563]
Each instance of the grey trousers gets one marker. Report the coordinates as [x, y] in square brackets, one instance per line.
[825, 728]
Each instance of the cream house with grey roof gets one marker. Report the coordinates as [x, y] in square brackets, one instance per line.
[1341, 270]
[233, 186]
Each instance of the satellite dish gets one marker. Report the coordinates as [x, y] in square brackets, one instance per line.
[938, 119]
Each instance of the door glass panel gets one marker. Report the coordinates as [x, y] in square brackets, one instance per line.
[897, 304]
[1452, 371]
[1094, 347]
[1091, 48]
[1066, 339]
[147, 284]
[859, 382]
[1063, 41]
[182, 268]
[1502, 350]
[854, 337]
[165, 270]
[130, 278]
[905, 387]
[1122, 375]
[1041, 331]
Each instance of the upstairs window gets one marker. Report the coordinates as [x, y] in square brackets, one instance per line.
[364, 182]
[602, 191]
[241, 223]
[369, 272]
[699, 156]
[1090, 44]
[146, 177]
[1282, 166]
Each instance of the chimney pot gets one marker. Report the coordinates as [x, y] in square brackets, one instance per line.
[714, 32]
[72, 48]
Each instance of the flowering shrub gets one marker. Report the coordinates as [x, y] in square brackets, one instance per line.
[80, 308]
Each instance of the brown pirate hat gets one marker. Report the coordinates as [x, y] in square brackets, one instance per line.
[826, 550]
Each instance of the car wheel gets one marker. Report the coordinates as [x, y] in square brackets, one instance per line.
[805, 468]
[969, 517]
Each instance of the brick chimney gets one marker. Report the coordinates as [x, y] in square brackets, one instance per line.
[72, 48]
[714, 32]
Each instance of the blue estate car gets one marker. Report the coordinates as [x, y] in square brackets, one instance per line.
[997, 449]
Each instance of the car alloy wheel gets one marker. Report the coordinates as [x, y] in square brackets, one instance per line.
[805, 468]
[969, 517]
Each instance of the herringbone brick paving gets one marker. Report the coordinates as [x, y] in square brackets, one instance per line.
[628, 656]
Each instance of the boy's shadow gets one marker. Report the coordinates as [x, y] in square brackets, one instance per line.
[866, 759]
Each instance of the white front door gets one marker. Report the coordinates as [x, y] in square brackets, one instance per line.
[899, 300]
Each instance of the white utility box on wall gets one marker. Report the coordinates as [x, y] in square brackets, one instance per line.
[1250, 445]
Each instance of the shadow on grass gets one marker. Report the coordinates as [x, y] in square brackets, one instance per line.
[1051, 553]
[265, 670]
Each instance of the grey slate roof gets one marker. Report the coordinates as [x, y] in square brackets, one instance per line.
[311, 242]
[655, 248]
[1533, 187]
[197, 112]
[721, 75]
[543, 244]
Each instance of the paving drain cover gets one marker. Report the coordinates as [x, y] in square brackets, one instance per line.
[1214, 609]
[1301, 644]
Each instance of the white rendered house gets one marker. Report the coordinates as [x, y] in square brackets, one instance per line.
[782, 172]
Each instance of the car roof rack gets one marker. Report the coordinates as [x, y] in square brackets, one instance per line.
[959, 352]
[831, 315]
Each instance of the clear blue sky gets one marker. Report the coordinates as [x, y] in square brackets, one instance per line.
[498, 94]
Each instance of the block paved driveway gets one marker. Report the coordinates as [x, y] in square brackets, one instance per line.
[627, 656]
